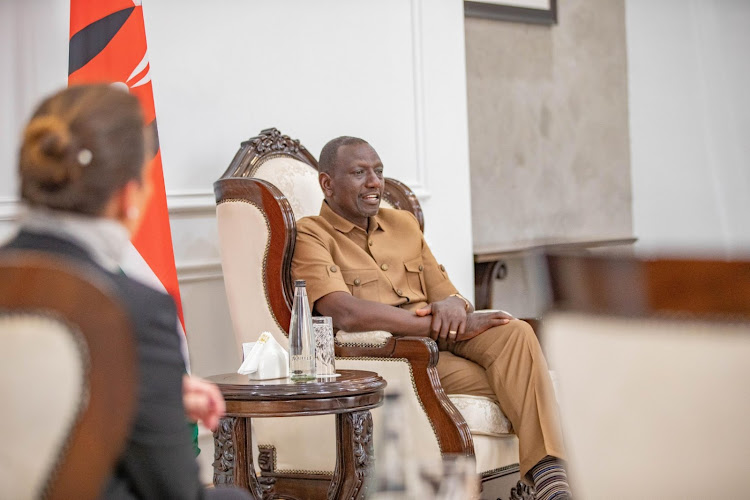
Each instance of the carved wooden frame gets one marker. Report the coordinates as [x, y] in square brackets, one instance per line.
[422, 354]
[35, 284]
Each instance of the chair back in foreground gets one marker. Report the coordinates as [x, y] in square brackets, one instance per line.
[652, 359]
[67, 379]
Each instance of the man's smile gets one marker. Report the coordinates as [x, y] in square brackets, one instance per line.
[372, 198]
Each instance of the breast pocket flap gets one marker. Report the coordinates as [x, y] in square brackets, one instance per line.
[359, 277]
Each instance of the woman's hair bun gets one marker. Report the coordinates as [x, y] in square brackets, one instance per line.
[46, 153]
[81, 145]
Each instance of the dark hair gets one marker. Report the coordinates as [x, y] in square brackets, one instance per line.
[330, 152]
[81, 145]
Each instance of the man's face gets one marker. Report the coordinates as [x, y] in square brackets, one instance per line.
[355, 185]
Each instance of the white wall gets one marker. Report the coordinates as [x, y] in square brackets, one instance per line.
[689, 75]
[390, 71]
[33, 62]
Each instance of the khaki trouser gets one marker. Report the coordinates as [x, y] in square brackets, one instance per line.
[508, 365]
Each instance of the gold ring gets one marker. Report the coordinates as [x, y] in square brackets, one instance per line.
[452, 332]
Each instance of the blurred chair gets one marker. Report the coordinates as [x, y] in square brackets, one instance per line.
[67, 379]
[653, 361]
[272, 182]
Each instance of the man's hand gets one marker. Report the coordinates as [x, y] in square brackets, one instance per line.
[202, 401]
[480, 322]
[448, 318]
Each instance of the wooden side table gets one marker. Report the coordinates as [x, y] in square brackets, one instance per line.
[350, 397]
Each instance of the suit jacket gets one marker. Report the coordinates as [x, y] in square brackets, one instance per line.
[158, 461]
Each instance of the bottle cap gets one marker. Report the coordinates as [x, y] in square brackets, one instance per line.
[299, 282]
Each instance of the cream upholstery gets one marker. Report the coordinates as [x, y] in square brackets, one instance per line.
[243, 238]
[39, 355]
[495, 453]
[373, 338]
[243, 243]
[483, 415]
[296, 180]
[653, 408]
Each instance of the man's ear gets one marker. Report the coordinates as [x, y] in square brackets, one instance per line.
[325, 184]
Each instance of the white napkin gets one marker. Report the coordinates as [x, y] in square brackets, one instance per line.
[264, 359]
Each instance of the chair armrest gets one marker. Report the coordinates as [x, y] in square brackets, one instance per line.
[422, 354]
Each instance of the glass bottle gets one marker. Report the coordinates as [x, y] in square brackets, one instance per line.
[301, 340]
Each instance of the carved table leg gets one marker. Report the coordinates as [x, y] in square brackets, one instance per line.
[354, 452]
[233, 456]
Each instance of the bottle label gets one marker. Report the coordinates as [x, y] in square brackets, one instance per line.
[301, 358]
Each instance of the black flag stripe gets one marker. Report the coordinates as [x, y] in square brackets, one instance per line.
[92, 39]
[151, 128]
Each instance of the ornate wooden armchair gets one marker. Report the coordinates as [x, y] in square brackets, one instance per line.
[652, 361]
[67, 379]
[271, 182]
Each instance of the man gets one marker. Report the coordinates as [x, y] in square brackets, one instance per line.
[370, 269]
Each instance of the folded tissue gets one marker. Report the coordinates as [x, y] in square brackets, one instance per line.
[264, 359]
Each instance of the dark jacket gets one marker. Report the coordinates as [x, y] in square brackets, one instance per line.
[158, 461]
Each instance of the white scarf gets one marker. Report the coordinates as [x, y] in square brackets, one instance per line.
[104, 239]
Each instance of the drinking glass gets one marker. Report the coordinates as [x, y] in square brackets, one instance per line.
[324, 348]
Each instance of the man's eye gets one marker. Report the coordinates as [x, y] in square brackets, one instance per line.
[359, 172]
[379, 172]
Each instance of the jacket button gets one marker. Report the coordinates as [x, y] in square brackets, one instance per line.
[384, 267]
[442, 267]
[334, 269]
[357, 282]
[369, 242]
[399, 292]
[421, 267]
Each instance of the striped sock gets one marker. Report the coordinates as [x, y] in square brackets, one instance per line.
[550, 479]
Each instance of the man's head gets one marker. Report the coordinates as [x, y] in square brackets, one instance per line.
[351, 176]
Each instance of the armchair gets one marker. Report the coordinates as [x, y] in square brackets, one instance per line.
[272, 182]
[652, 363]
[67, 379]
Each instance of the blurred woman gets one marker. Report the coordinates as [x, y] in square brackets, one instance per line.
[83, 166]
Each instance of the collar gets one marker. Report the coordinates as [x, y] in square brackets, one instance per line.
[104, 239]
[344, 225]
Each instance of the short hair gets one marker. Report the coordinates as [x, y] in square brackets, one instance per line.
[330, 152]
[80, 146]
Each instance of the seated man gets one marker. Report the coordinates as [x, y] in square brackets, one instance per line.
[371, 269]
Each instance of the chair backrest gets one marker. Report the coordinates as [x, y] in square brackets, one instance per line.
[652, 360]
[270, 184]
[68, 379]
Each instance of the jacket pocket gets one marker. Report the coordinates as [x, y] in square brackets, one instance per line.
[363, 283]
[415, 275]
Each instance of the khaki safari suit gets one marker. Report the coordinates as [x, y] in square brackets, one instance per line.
[392, 264]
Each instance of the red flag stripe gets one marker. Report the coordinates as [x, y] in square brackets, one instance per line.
[123, 57]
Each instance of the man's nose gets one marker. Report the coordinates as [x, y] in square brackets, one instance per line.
[372, 179]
